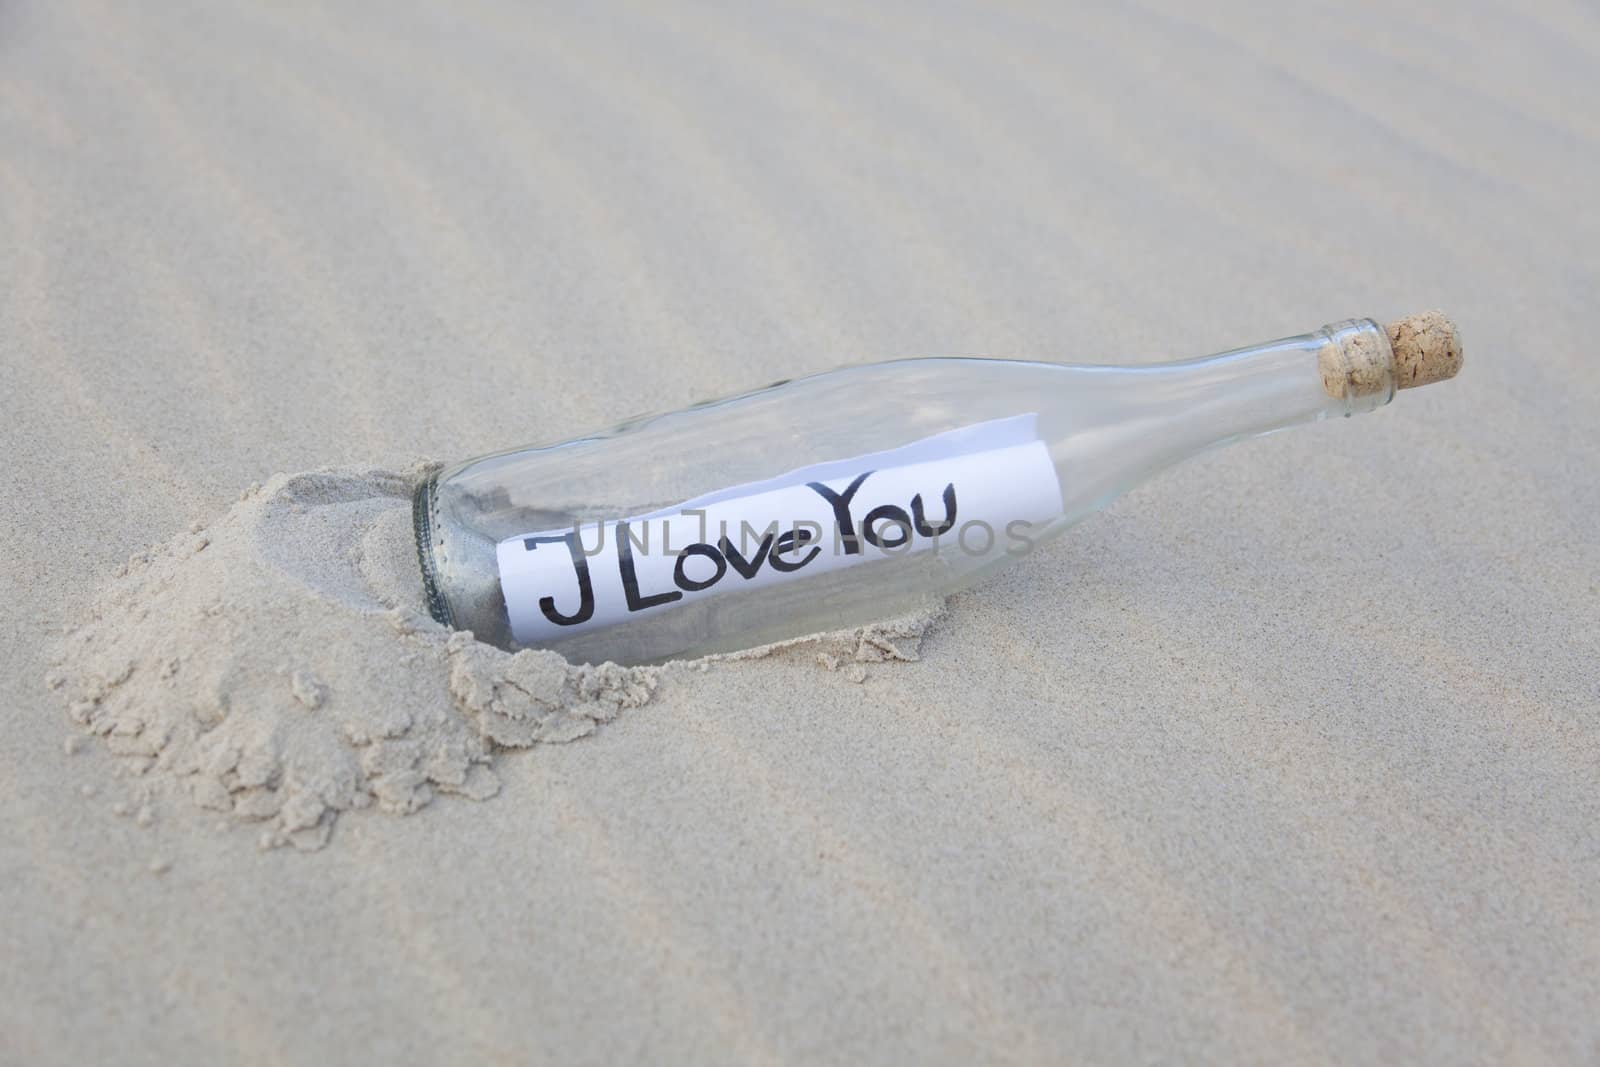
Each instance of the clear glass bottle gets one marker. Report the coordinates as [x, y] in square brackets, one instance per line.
[853, 495]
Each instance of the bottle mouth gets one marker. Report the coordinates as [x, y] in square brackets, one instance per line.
[1356, 364]
[1361, 360]
[423, 526]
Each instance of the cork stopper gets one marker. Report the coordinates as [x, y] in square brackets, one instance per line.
[1427, 349]
[1418, 350]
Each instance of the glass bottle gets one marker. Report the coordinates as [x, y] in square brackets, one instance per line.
[853, 495]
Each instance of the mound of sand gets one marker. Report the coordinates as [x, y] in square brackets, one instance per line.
[278, 666]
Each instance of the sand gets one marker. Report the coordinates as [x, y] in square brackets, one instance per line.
[279, 667]
[275, 667]
[1289, 755]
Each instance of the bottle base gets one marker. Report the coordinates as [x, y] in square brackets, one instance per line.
[422, 527]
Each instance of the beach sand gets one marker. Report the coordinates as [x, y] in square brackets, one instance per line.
[1289, 755]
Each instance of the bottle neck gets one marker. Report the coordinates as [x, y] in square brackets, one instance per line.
[1219, 399]
[1171, 411]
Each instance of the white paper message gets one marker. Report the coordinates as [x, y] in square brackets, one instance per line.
[977, 490]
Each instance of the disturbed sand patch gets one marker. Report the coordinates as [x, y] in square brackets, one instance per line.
[278, 667]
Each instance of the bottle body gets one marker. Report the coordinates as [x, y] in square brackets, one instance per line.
[831, 500]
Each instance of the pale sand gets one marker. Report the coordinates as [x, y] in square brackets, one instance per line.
[279, 667]
[1292, 754]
